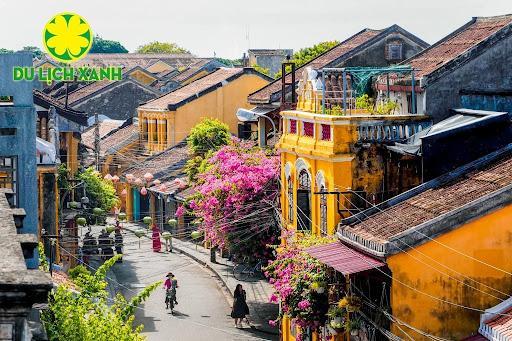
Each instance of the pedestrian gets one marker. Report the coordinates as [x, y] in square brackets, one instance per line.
[170, 285]
[240, 308]
[157, 244]
[118, 242]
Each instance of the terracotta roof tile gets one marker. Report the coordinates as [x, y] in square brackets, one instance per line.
[168, 164]
[119, 138]
[191, 71]
[87, 90]
[193, 89]
[264, 94]
[434, 202]
[105, 127]
[129, 60]
[456, 44]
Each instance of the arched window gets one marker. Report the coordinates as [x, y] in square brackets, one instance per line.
[304, 201]
[290, 199]
[323, 211]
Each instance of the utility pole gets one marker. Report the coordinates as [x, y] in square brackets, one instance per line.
[97, 141]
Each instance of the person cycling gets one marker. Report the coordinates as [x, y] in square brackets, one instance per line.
[170, 285]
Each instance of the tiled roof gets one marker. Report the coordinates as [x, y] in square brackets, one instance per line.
[119, 138]
[457, 43]
[129, 60]
[186, 193]
[500, 327]
[434, 199]
[264, 94]
[165, 165]
[44, 100]
[106, 127]
[191, 71]
[193, 89]
[87, 90]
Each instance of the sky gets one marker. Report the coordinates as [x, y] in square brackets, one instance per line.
[227, 28]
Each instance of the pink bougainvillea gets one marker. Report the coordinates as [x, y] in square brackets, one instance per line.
[236, 199]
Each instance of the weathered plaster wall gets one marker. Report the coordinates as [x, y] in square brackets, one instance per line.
[488, 239]
[490, 70]
[118, 103]
[22, 117]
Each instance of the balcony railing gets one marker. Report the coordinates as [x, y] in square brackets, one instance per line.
[389, 130]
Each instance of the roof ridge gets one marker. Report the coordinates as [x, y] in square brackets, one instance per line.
[494, 17]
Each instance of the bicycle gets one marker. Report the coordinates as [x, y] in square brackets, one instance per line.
[246, 272]
[170, 297]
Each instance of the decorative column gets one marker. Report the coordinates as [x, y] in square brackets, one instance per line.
[169, 132]
[151, 132]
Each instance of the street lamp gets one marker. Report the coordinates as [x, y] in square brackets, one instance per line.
[245, 115]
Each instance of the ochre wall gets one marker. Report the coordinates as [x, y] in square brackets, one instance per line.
[142, 77]
[488, 239]
[221, 103]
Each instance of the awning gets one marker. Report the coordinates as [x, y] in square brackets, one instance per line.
[343, 258]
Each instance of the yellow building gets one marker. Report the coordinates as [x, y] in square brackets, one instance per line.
[337, 156]
[446, 245]
[167, 120]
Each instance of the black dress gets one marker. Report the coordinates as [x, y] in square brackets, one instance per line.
[240, 307]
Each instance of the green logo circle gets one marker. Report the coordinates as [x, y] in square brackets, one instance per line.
[67, 37]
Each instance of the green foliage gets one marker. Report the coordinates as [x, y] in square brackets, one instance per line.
[101, 192]
[204, 139]
[85, 315]
[36, 51]
[100, 45]
[261, 69]
[62, 177]
[364, 102]
[43, 262]
[160, 47]
[2, 51]
[386, 108]
[230, 62]
[307, 54]
[334, 110]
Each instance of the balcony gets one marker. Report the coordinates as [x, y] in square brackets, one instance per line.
[330, 118]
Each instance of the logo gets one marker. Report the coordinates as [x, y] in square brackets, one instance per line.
[67, 37]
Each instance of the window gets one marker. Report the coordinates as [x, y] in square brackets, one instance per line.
[323, 211]
[293, 126]
[394, 51]
[290, 200]
[304, 201]
[326, 132]
[8, 175]
[308, 129]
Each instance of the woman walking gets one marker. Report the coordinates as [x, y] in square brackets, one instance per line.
[240, 308]
[157, 244]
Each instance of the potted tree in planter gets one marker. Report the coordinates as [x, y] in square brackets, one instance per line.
[139, 233]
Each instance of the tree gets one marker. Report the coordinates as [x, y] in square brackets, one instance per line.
[160, 47]
[84, 313]
[205, 138]
[101, 192]
[36, 51]
[307, 54]
[100, 45]
[236, 200]
[261, 69]
[2, 51]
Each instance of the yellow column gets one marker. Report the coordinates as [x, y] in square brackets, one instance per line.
[160, 124]
[151, 132]
[129, 203]
[169, 132]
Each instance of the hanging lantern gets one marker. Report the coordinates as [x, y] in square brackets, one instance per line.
[129, 177]
[157, 182]
[180, 183]
[143, 191]
[108, 177]
[124, 192]
[148, 177]
[138, 182]
[115, 179]
[162, 188]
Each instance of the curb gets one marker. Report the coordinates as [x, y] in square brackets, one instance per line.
[224, 286]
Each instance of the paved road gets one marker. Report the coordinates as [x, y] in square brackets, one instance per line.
[203, 311]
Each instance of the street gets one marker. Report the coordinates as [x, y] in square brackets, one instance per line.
[202, 312]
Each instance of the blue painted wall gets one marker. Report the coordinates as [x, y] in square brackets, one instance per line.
[501, 103]
[136, 204]
[21, 116]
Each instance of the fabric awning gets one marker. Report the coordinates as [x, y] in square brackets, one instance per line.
[343, 258]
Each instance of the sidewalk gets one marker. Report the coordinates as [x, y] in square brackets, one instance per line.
[258, 292]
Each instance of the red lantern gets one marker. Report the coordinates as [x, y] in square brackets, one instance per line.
[115, 179]
[148, 177]
[143, 191]
[124, 192]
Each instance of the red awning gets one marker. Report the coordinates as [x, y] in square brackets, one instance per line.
[343, 258]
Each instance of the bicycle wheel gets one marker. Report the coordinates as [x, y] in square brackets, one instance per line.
[241, 272]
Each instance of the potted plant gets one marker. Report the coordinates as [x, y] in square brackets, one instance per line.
[147, 220]
[337, 317]
[353, 326]
[318, 286]
[139, 233]
[172, 222]
[122, 216]
[74, 205]
[81, 221]
[110, 228]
